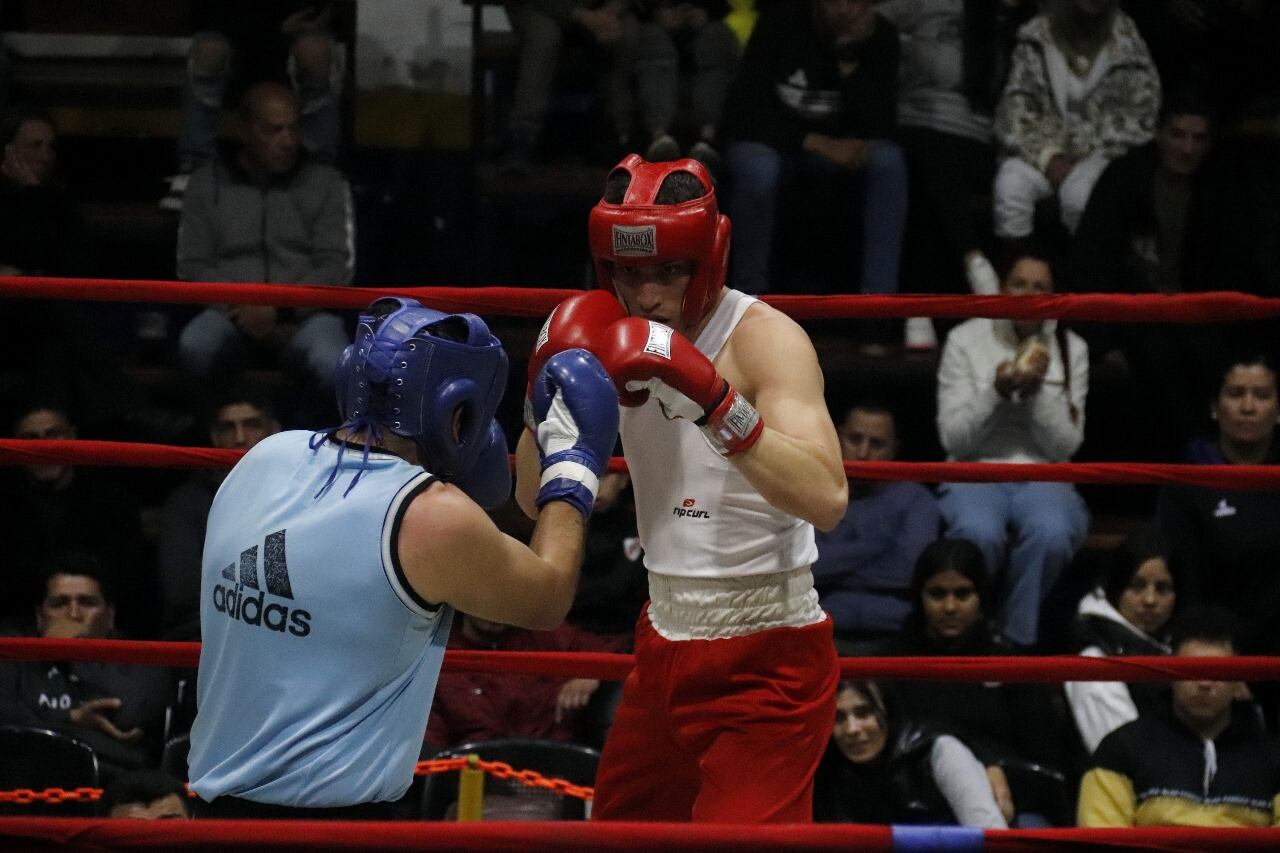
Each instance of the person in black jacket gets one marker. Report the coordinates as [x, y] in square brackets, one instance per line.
[883, 767]
[117, 709]
[951, 596]
[815, 96]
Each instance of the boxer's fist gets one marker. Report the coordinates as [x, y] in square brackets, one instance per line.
[488, 483]
[577, 322]
[575, 411]
[647, 358]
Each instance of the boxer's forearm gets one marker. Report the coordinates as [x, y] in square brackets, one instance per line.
[528, 473]
[796, 476]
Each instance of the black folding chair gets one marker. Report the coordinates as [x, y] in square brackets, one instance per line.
[42, 758]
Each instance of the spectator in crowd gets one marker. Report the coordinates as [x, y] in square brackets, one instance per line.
[1131, 234]
[864, 565]
[950, 593]
[1202, 760]
[673, 35]
[1128, 614]
[239, 418]
[954, 55]
[288, 41]
[40, 228]
[117, 709]
[887, 768]
[1082, 91]
[1230, 539]
[612, 585]
[544, 29]
[1131, 240]
[53, 506]
[145, 795]
[815, 97]
[266, 215]
[481, 706]
[1014, 391]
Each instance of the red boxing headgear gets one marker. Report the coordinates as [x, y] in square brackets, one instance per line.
[639, 231]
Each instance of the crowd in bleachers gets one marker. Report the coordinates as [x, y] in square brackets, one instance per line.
[984, 146]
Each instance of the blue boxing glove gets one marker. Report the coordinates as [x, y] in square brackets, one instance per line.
[575, 413]
[488, 483]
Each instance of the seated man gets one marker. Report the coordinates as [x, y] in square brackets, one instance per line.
[482, 706]
[1014, 391]
[266, 215]
[115, 708]
[864, 565]
[1207, 762]
[145, 795]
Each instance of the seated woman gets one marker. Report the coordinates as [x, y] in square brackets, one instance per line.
[1128, 614]
[951, 600]
[886, 768]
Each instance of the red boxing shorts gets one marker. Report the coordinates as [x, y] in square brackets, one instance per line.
[720, 731]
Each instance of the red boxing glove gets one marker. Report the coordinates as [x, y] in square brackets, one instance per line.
[646, 358]
[577, 322]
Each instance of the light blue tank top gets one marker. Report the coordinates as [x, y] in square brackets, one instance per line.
[319, 661]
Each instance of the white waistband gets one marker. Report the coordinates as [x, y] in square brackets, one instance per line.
[716, 608]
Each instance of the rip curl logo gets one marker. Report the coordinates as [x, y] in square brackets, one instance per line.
[635, 240]
[686, 510]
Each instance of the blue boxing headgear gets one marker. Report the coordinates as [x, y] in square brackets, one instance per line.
[411, 369]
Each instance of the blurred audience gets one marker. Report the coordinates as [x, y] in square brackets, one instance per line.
[1230, 539]
[1001, 723]
[887, 768]
[864, 565]
[41, 230]
[267, 215]
[605, 30]
[1014, 391]
[815, 100]
[613, 584]
[1129, 613]
[239, 417]
[145, 795]
[1082, 91]
[287, 41]
[54, 506]
[1201, 760]
[118, 709]
[482, 706]
[675, 35]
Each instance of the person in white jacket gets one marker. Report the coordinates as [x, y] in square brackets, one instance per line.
[1129, 613]
[1014, 391]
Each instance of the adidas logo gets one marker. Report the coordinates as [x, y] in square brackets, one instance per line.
[237, 601]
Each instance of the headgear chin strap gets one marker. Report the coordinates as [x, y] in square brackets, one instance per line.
[412, 370]
[639, 231]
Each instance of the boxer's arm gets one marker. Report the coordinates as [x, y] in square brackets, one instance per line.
[796, 463]
[528, 473]
[451, 552]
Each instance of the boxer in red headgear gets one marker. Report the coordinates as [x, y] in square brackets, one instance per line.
[735, 461]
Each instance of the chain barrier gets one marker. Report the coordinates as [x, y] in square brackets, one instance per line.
[497, 769]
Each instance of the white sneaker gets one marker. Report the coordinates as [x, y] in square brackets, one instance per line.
[177, 186]
[982, 276]
[919, 334]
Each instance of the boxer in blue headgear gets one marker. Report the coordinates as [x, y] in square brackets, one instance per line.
[435, 379]
[325, 608]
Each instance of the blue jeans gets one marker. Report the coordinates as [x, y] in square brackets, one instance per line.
[212, 343]
[1048, 522]
[757, 171]
[202, 100]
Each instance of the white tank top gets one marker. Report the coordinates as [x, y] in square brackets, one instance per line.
[698, 516]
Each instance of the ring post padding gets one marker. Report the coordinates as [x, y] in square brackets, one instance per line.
[953, 839]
